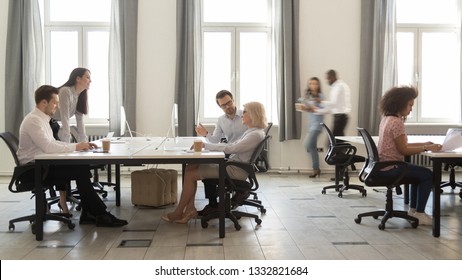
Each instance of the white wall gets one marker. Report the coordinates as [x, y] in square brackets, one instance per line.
[329, 38]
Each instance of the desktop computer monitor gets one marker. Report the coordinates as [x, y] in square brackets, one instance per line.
[124, 126]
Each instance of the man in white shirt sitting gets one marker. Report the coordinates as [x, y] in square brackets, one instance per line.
[230, 127]
[36, 137]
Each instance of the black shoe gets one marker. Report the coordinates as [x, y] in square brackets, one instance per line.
[87, 218]
[109, 220]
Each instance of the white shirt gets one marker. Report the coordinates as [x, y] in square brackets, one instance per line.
[36, 137]
[232, 129]
[67, 108]
[339, 99]
[242, 149]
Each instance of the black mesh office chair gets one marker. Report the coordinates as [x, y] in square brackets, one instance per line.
[452, 179]
[370, 174]
[234, 185]
[20, 182]
[261, 164]
[342, 156]
[97, 184]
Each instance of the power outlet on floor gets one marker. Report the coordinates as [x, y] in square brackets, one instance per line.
[320, 150]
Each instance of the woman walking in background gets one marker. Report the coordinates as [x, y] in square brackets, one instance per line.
[310, 103]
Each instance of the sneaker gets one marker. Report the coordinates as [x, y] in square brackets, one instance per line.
[424, 219]
[411, 212]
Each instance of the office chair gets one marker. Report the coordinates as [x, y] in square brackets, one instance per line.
[20, 182]
[370, 174]
[97, 184]
[235, 185]
[342, 155]
[261, 164]
[452, 178]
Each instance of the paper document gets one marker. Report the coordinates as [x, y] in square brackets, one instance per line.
[453, 140]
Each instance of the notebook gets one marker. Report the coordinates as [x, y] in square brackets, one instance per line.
[453, 140]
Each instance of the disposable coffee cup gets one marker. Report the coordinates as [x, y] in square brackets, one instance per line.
[106, 145]
[197, 146]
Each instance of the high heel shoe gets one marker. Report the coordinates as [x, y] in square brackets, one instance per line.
[316, 172]
[62, 213]
[170, 218]
[187, 216]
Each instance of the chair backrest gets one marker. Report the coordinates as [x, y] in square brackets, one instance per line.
[330, 135]
[267, 128]
[258, 150]
[371, 148]
[13, 144]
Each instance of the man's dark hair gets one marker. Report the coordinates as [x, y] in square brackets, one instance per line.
[223, 93]
[332, 73]
[45, 92]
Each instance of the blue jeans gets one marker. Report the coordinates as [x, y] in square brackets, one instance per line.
[421, 180]
[311, 146]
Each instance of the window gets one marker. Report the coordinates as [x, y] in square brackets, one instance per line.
[428, 57]
[77, 35]
[236, 52]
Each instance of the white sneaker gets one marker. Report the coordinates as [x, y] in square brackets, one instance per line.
[411, 212]
[424, 219]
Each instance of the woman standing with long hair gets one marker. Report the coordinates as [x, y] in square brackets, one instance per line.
[311, 101]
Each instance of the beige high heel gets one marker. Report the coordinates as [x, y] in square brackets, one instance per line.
[170, 218]
[187, 216]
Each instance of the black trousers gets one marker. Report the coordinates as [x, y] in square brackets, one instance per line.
[90, 201]
[340, 122]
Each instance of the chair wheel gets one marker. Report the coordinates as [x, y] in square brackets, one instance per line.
[340, 195]
[71, 225]
[11, 227]
[237, 226]
[258, 221]
[381, 226]
[358, 220]
[263, 210]
[415, 224]
[460, 194]
[323, 191]
[33, 228]
[375, 217]
[364, 193]
[78, 207]
[204, 224]
[104, 195]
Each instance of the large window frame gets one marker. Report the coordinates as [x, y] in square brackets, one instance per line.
[418, 30]
[83, 29]
[236, 29]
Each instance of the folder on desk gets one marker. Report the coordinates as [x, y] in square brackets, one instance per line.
[453, 140]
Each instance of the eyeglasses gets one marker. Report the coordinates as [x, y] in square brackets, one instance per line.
[227, 104]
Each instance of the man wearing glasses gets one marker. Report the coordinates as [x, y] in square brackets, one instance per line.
[228, 128]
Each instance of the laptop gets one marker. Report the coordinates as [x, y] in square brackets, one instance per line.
[453, 140]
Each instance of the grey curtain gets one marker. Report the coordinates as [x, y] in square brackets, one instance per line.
[23, 65]
[122, 62]
[377, 60]
[187, 80]
[286, 40]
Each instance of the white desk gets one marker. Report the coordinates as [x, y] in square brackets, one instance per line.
[131, 151]
[437, 163]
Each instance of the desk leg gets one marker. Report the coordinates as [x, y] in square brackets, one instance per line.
[437, 165]
[39, 203]
[117, 184]
[221, 195]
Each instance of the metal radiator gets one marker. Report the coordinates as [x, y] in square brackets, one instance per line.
[95, 137]
[420, 159]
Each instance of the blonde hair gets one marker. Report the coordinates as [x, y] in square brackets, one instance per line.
[257, 114]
